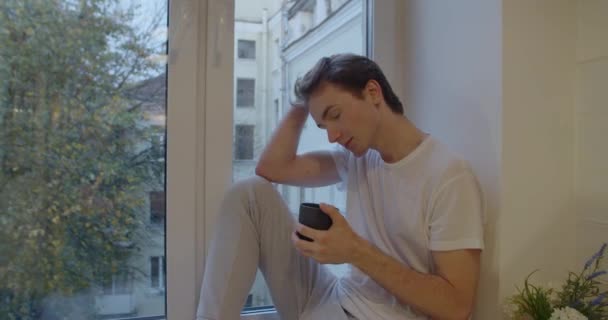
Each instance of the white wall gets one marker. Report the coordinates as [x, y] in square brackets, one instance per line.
[495, 80]
[537, 216]
[453, 90]
[591, 123]
[252, 10]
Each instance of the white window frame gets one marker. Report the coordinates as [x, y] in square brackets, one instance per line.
[187, 62]
[199, 169]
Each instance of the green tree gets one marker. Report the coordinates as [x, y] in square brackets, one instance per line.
[73, 159]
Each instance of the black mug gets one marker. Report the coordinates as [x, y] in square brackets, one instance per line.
[311, 216]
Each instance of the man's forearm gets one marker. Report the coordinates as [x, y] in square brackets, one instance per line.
[430, 294]
[283, 145]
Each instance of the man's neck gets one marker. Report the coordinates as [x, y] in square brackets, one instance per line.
[396, 137]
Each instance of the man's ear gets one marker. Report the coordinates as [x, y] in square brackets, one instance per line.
[373, 89]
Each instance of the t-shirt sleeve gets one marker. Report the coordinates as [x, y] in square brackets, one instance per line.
[457, 215]
[340, 156]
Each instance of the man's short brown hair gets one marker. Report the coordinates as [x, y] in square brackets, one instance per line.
[350, 72]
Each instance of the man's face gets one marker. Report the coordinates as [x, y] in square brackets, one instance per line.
[349, 120]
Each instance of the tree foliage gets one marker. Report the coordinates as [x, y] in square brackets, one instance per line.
[74, 165]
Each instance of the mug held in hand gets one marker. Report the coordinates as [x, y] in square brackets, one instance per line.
[311, 216]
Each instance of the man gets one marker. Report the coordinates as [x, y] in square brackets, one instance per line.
[412, 232]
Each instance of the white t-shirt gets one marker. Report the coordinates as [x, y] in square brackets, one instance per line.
[428, 201]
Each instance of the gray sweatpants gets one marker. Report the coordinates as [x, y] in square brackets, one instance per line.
[254, 230]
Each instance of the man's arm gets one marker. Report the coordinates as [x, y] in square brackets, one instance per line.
[448, 294]
[280, 162]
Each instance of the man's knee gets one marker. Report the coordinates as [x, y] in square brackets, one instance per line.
[244, 190]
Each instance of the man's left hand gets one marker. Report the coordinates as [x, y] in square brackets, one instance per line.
[337, 245]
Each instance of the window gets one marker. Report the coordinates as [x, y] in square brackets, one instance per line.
[83, 88]
[346, 29]
[157, 272]
[277, 113]
[157, 207]
[249, 301]
[158, 144]
[292, 48]
[245, 92]
[118, 284]
[243, 142]
[246, 49]
[81, 108]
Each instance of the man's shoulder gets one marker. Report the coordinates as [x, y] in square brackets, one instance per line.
[443, 163]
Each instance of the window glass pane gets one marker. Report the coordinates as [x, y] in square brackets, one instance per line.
[245, 92]
[291, 36]
[82, 158]
[243, 142]
[157, 207]
[246, 49]
[154, 274]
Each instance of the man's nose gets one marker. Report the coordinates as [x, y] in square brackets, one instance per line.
[333, 135]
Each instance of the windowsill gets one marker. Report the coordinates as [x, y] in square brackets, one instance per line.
[266, 315]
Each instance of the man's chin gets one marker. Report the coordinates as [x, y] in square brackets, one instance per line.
[358, 153]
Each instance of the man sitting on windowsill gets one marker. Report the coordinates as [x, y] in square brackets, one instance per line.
[412, 231]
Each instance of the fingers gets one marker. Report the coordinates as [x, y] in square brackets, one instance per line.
[331, 211]
[309, 232]
[307, 248]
